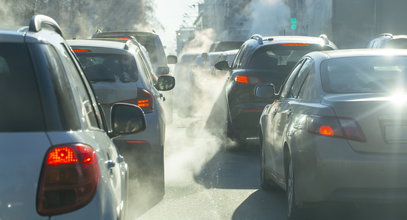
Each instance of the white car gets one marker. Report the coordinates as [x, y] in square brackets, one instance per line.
[58, 160]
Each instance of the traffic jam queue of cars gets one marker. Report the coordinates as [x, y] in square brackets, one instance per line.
[330, 123]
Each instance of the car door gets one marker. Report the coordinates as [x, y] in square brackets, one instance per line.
[281, 116]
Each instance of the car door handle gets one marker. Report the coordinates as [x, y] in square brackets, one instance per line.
[110, 164]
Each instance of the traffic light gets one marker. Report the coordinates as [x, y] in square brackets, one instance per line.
[293, 23]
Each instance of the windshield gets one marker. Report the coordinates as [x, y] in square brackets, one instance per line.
[364, 74]
[281, 55]
[109, 67]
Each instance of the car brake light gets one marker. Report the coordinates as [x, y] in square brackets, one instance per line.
[246, 79]
[80, 50]
[69, 179]
[296, 45]
[124, 38]
[145, 100]
[336, 127]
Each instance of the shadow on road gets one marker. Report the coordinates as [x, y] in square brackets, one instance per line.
[262, 205]
[237, 169]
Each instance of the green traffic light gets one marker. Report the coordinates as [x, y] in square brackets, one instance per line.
[293, 26]
[293, 20]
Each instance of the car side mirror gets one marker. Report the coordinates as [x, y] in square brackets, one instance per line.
[172, 59]
[165, 83]
[162, 70]
[265, 91]
[222, 65]
[127, 119]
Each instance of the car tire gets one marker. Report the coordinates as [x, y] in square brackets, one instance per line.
[294, 212]
[241, 142]
[265, 182]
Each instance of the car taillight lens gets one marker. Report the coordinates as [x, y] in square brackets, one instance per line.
[246, 79]
[336, 127]
[145, 100]
[69, 179]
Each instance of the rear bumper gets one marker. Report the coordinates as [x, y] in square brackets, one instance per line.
[327, 169]
[244, 119]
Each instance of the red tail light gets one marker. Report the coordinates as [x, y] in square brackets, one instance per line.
[246, 79]
[144, 100]
[69, 179]
[336, 127]
[80, 51]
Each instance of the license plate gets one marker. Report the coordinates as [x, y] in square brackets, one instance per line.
[395, 133]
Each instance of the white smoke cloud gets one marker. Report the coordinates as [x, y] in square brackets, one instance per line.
[269, 17]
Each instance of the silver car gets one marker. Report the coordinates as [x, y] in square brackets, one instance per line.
[120, 72]
[58, 159]
[336, 133]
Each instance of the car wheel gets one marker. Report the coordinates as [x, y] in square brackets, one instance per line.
[293, 211]
[265, 181]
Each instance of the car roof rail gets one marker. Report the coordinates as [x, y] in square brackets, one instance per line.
[37, 22]
[257, 37]
[325, 38]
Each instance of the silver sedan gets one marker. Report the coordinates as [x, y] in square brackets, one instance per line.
[336, 131]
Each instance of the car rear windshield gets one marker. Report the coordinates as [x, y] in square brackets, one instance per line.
[153, 45]
[282, 56]
[19, 97]
[224, 46]
[396, 43]
[364, 74]
[99, 67]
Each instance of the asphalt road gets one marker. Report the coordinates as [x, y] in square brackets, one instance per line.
[227, 187]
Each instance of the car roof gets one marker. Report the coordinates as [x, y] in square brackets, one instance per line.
[140, 33]
[258, 41]
[97, 43]
[357, 53]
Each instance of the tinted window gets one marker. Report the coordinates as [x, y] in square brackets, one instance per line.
[364, 74]
[109, 67]
[224, 46]
[81, 95]
[19, 97]
[282, 56]
[302, 74]
[289, 81]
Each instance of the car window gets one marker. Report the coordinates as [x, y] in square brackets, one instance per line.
[308, 90]
[281, 56]
[239, 57]
[289, 81]
[101, 67]
[364, 74]
[299, 80]
[63, 88]
[81, 96]
[20, 101]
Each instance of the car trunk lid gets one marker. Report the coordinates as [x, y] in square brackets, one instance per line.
[382, 119]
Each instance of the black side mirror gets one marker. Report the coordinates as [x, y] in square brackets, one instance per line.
[222, 65]
[165, 83]
[172, 59]
[265, 91]
[162, 70]
[127, 119]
